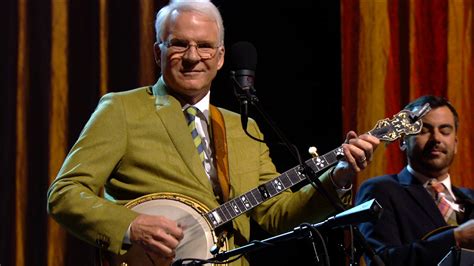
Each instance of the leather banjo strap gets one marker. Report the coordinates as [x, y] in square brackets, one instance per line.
[220, 148]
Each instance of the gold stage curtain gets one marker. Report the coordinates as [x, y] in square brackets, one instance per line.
[394, 51]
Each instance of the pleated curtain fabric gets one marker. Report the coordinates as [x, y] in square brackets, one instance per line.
[394, 52]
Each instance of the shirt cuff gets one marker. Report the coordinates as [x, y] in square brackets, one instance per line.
[341, 191]
[126, 237]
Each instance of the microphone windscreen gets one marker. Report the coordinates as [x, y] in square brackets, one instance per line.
[243, 55]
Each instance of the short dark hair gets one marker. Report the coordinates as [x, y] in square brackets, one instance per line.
[435, 102]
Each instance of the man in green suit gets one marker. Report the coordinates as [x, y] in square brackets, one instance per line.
[138, 143]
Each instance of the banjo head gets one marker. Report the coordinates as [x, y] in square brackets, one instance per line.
[199, 236]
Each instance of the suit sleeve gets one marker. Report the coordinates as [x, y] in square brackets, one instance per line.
[73, 199]
[289, 209]
[386, 237]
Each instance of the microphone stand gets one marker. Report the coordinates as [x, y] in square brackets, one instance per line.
[368, 211]
[300, 232]
[297, 233]
[249, 96]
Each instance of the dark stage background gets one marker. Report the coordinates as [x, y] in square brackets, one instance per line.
[298, 82]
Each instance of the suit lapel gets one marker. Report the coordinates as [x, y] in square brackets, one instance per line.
[169, 111]
[419, 195]
[460, 196]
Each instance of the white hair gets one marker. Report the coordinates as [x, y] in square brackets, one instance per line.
[205, 7]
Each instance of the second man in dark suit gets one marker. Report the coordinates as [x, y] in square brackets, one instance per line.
[411, 229]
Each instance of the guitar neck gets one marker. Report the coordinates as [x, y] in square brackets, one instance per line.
[247, 201]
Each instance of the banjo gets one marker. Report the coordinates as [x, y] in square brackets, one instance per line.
[201, 242]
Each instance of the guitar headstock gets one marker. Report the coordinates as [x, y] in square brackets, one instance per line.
[402, 124]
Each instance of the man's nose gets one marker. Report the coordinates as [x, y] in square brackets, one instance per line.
[436, 135]
[191, 54]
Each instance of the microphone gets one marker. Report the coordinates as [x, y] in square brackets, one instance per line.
[243, 58]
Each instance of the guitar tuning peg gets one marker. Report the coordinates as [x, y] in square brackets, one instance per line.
[313, 151]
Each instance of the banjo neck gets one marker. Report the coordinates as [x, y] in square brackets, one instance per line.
[388, 130]
[247, 201]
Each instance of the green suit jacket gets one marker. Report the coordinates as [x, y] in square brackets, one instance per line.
[136, 143]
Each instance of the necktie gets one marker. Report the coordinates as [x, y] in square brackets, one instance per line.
[191, 117]
[191, 113]
[444, 199]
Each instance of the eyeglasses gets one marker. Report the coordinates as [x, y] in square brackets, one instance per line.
[205, 50]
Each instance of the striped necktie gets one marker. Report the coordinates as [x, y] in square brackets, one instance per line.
[444, 199]
[191, 112]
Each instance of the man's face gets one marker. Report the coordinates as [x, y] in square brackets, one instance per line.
[431, 152]
[187, 73]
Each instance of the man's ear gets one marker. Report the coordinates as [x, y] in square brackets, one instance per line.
[221, 55]
[456, 145]
[157, 53]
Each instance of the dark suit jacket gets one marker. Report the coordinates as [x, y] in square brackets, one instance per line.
[409, 213]
[136, 143]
